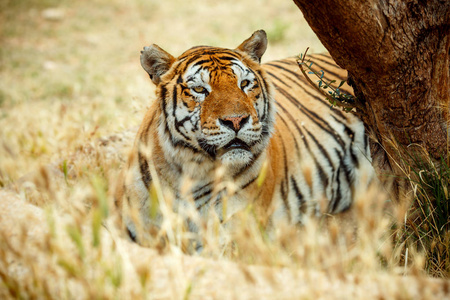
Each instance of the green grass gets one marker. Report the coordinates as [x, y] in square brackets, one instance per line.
[426, 227]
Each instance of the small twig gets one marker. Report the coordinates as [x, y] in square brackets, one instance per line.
[333, 101]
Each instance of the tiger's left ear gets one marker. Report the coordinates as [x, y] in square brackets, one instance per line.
[255, 46]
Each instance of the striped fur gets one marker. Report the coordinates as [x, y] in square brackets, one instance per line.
[219, 109]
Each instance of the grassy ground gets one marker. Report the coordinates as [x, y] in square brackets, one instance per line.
[71, 86]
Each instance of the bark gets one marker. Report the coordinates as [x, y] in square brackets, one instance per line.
[397, 56]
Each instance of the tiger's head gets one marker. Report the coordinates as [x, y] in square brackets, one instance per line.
[215, 102]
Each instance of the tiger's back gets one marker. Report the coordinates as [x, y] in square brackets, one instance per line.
[220, 109]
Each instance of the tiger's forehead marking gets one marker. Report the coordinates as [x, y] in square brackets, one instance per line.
[195, 52]
[196, 74]
[200, 62]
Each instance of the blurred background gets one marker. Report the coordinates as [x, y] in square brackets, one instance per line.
[70, 71]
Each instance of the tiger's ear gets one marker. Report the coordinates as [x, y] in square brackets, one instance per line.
[255, 46]
[156, 62]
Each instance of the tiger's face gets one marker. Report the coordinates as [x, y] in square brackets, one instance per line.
[222, 102]
[215, 102]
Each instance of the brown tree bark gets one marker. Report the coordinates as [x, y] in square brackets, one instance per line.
[397, 57]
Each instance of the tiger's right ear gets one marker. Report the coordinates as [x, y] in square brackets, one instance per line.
[156, 62]
[255, 46]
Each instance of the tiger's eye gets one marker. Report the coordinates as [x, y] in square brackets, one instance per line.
[199, 89]
[244, 83]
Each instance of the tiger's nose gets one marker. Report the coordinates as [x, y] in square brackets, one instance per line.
[235, 123]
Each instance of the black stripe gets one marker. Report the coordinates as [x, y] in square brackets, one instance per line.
[267, 104]
[201, 62]
[326, 70]
[205, 193]
[312, 116]
[296, 75]
[240, 67]
[366, 142]
[324, 179]
[325, 55]
[287, 62]
[144, 169]
[175, 143]
[188, 63]
[284, 185]
[206, 50]
[351, 134]
[347, 129]
[299, 80]
[248, 183]
[216, 201]
[202, 187]
[344, 168]
[354, 157]
[206, 201]
[279, 79]
[192, 77]
[179, 124]
[219, 51]
[183, 144]
[209, 149]
[184, 120]
[174, 101]
[284, 198]
[299, 195]
[163, 94]
[335, 201]
[321, 149]
[144, 134]
[229, 58]
[297, 148]
[322, 175]
[321, 123]
[132, 236]
[319, 55]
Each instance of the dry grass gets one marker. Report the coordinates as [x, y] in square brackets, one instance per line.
[70, 71]
[70, 88]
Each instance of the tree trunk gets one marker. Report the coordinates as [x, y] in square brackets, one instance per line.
[397, 57]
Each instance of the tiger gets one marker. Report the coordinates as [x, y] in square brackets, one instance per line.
[272, 135]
